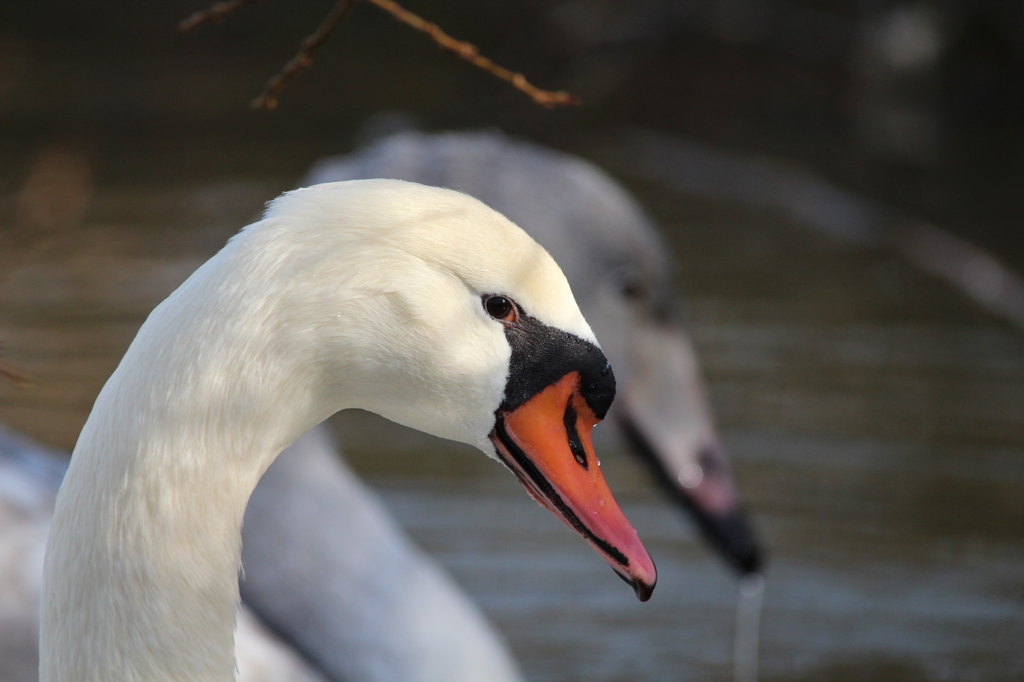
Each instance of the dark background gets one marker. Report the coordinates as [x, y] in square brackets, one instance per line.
[918, 104]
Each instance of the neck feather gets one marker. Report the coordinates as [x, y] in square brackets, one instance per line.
[141, 575]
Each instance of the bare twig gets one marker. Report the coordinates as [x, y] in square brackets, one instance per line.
[471, 54]
[214, 15]
[304, 58]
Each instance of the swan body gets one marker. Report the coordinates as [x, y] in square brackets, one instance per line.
[357, 294]
[29, 477]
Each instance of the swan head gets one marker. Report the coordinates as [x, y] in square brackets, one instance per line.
[434, 311]
[623, 276]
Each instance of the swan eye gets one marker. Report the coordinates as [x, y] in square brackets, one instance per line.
[634, 287]
[500, 308]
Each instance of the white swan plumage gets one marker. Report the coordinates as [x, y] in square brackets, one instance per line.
[364, 294]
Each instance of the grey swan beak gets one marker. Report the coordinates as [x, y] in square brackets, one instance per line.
[665, 418]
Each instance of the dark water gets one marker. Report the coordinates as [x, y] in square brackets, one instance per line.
[874, 416]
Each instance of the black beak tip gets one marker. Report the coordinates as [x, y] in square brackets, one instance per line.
[643, 590]
[746, 556]
[736, 540]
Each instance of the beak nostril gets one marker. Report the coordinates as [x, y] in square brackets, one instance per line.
[579, 453]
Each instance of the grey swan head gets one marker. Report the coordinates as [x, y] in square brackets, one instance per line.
[622, 274]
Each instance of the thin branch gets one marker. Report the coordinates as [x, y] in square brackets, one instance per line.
[214, 15]
[304, 58]
[471, 54]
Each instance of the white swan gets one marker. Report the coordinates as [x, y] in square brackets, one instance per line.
[416, 303]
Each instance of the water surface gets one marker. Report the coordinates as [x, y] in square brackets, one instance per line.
[874, 416]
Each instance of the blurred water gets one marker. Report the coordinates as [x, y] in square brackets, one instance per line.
[874, 415]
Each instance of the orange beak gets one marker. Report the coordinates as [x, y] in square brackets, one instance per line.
[546, 443]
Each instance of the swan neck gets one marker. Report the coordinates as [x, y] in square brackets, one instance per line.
[141, 573]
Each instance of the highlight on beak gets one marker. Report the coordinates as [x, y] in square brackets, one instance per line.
[546, 443]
